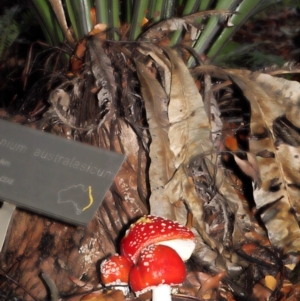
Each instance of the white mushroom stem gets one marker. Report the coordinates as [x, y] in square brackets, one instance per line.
[161, 293]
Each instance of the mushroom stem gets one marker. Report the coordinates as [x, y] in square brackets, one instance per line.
[161, 293]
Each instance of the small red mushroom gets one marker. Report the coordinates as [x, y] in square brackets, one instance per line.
[150, 230]
[115, 272]
[158, 268]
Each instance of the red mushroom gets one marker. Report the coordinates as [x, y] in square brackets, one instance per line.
[150, 230]
[115, 272]
[158, 268]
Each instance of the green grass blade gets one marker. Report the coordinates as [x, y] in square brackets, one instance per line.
[82, 13]
[211, 28]
[72, 17]
[267, 3]
[158, 10]
[168, 9]
[101, 11]
[205, 4]
[115, 18]
[49, 24]
[244, 11]
[150, 9]
[190, 7]
[139, 12]
[85, 8]
[129, 9]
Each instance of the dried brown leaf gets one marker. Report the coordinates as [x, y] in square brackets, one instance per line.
[189, 136]
[278, 195]
[193, 19]
[212, 282]
[250, 167]
[162, 167]
[159, 57]
[272, 199]
[103, 72]
[189, 131]
[174, 24]
[223, 182]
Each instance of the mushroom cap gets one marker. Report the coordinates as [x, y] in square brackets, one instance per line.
[150, 230]
[157, 265]
[115, 270]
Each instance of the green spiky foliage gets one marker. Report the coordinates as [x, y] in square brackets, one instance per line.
[9, 29]
[235, 55]
[59, 17]
[13, 22]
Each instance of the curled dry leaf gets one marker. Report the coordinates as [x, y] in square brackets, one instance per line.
[203, 283]
[249, 167]
[196, 278]
[285, 95]
[224, 183]
[273, 198]
[162, 167]
[102, 70]
[212, 283]
[158, 56]
[189, 136]
[193, 19]
[180, 131]
[155, 32]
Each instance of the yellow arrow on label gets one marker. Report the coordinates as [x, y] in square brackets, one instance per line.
[90, 198]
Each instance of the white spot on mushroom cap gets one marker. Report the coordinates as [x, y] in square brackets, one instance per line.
[149, 225]
[107, 267]
[114, 269]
